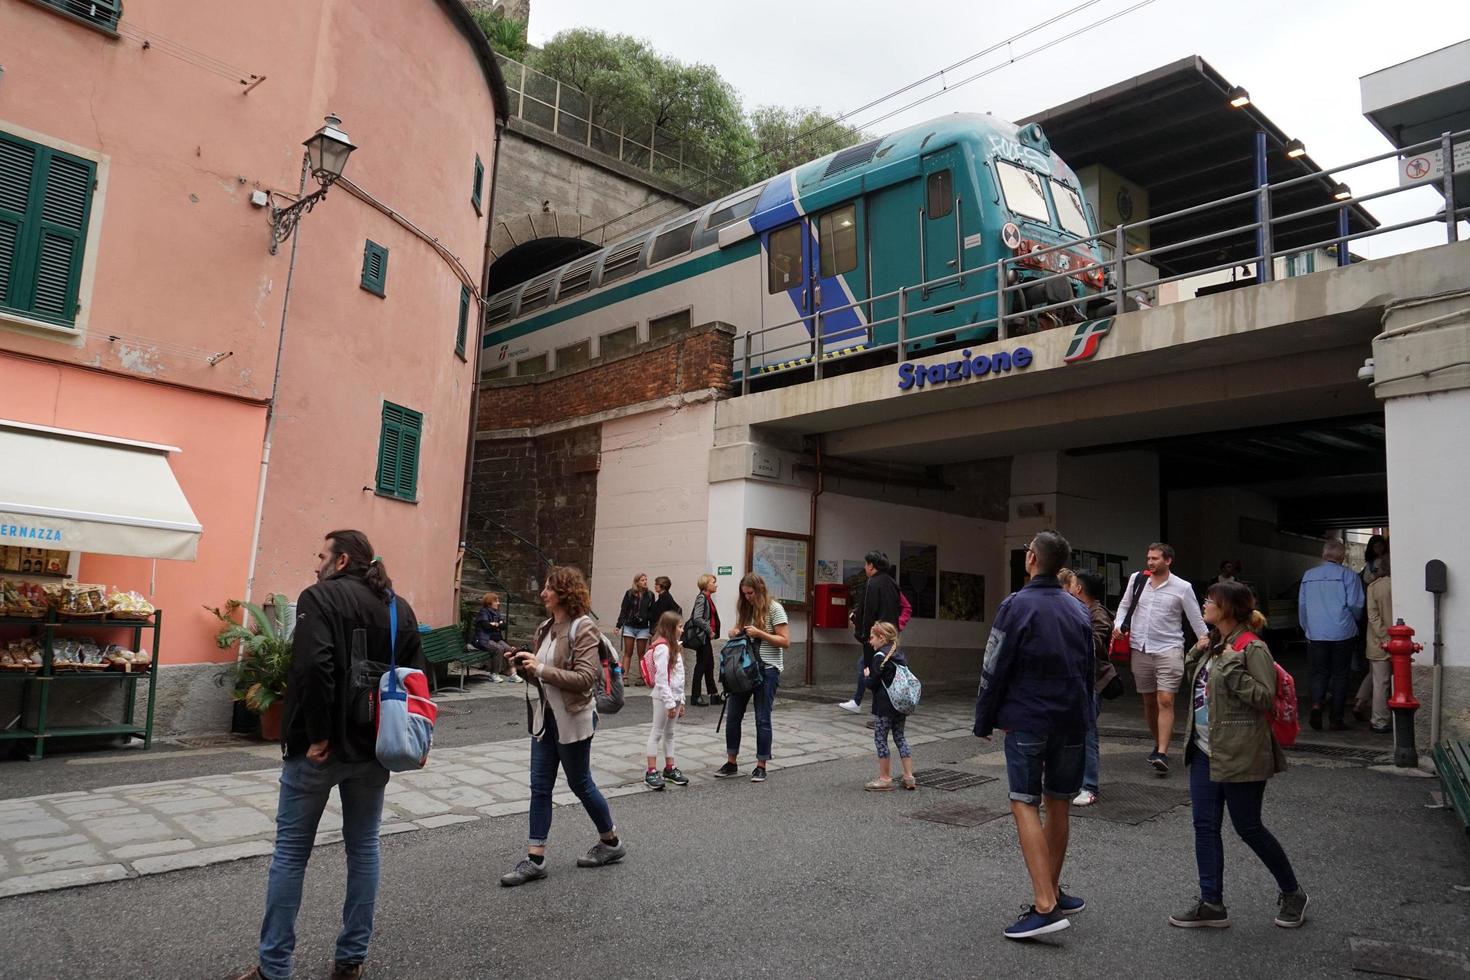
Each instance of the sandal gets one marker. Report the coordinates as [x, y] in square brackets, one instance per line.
[879, 786]
[909, 783]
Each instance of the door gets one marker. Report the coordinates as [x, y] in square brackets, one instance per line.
[940, 231]
[838, 268]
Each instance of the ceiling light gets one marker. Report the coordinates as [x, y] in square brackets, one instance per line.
[1341, 192]
[1294, 149]
[1239, 97]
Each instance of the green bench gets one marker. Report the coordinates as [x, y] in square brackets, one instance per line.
[446, 645]
[1452, 759]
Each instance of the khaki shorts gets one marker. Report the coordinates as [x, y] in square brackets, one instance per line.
[1158, 671]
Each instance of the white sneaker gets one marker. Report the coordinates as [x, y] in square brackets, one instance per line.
[514, 679]
[852, 706]
[496, 679]
[1084, 798]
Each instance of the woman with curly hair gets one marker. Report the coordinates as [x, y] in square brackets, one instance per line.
[563, 669]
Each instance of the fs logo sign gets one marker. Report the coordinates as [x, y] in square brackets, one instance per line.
[1086, 339]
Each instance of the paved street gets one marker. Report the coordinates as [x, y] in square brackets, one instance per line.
[803, 876]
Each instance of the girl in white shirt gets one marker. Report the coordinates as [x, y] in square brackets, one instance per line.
[667, 696]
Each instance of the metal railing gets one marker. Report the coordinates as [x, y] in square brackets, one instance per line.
[547, 103]
[813, 353]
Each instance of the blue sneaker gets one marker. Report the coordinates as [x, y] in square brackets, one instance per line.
[1031, 923]
[1067, 904]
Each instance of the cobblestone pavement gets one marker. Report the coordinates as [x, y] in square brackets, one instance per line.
[62, 840]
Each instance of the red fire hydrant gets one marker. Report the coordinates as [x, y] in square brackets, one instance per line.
[1401, 649]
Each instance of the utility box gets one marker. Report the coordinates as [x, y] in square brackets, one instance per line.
[831, 611]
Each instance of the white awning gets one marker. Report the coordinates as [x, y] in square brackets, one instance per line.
[77, 491]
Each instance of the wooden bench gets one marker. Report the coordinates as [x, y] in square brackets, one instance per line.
[1452, 759]
[446, 645]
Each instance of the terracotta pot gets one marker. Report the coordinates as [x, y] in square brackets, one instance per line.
[270, 723]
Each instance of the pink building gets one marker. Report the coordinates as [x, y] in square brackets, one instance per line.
[266, 396]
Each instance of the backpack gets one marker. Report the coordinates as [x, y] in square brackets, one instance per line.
[905, 611]
[647, 665]
[904, 690]
[740, 665]
[406, 714]
[1284, 722]
[608, 691]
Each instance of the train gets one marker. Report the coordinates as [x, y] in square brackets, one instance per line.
[827, 246]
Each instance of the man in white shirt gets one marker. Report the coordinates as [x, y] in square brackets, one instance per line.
[1156, 638]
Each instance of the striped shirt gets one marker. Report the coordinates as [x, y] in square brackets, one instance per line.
[773, 655]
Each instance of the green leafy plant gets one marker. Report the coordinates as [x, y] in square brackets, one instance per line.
[507, 35]
[258, 677]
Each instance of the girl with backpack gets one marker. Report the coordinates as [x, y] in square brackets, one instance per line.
[884, 640]
[762, 619]
[663, 670]
[1230, 752]
[634, 622]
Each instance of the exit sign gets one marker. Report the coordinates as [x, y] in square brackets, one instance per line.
[726, 570]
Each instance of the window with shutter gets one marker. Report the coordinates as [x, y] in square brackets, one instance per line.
[398, 452]
[374, 268]
[479, 182]
[99, 13]
[45, 204]
[464, 320]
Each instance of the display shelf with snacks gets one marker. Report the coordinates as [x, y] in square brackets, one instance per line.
[58, 648]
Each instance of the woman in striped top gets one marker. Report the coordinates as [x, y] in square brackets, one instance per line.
[763, 620]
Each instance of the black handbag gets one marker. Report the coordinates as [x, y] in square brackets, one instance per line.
[363, 676]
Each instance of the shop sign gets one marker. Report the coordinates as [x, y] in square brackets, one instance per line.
[912, 375]
[30, 532]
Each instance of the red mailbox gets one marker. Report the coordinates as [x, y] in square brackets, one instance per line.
[831, 611]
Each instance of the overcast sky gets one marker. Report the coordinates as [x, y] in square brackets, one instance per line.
[1300, 59]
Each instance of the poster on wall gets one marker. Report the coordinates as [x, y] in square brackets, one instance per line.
[828, 572]
[962, 597]
[856, 581]
[918, 573]
[784, 561]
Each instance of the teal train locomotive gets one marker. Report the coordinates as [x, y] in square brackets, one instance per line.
[833, 241]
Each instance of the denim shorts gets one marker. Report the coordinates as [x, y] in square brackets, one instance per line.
[1044, 763]
[636, 634]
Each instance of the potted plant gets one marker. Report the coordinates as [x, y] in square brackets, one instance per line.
[258, 677]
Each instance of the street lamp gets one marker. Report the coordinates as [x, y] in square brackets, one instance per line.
[327, 151]
[1239, 97]
[1294, 149]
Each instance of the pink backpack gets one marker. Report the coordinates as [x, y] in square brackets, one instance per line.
[646, 665]
[1285, 725]
[905, 612]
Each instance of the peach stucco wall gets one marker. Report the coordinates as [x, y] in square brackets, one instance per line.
[216, 470]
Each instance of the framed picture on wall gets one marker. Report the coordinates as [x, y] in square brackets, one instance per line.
[918, 576]
[962, 596]
[784, 560]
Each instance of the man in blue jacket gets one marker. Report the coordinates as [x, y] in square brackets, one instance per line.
[1329, 603]
[1036, 684]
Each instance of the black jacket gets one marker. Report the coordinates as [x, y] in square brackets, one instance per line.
[880, 604]
[878, 677]
[317, 705]
[664, 603]
[635, 610]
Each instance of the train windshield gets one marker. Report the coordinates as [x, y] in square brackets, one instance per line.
[1023, 192]
[1069, 209]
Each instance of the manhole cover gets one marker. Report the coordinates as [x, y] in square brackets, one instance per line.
[958, 815]
[950, 779]
[1132, 803]
[1402, 960]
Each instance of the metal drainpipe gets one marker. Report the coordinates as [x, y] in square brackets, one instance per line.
[469, 450]
[811, 613]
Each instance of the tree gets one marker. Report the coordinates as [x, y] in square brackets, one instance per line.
[506, 35]
[786, 138]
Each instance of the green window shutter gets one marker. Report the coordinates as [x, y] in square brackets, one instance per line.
[45, 203]
[374, 268]
[479, 182]
[398, 451]
[464, 320]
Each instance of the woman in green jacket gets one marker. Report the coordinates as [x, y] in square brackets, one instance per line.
[1230, 753]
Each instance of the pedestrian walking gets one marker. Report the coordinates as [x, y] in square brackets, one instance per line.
[667, 698]
[634, 624]
[707, 617]
[324, 745]
[883, 639]
[1088, 588]
[1230, 753]
[1374, 690]
[763, 620]
[1329, 602]
[1155, 608]
[1036, 684]
[880, 604]
[489, 636]
[563, 669]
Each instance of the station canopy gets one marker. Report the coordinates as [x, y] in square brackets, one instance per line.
[1173, 132]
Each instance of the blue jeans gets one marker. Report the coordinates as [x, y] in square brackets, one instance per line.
[1037, 764]
[1209, 800]
[1090, 765]
[576, 759]
[305, 788]
[862, 681]
[1332, 661]
[765, 699]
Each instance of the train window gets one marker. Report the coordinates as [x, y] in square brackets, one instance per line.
[666, 326]
[574, 355]
[497, 313]
[941, 194]
[671, 243]
[732, 211]
[786, 269]
[1023, 191]
[574, 281]
[528, 366]
[537, 296]
[623, 262]
[1069, 209]
[838, 233]
[496, 374]
[618, 342]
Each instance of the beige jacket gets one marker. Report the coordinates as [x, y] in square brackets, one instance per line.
[1380, 617]
[573, 676]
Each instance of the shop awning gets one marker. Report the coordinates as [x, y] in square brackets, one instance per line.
[78, 491]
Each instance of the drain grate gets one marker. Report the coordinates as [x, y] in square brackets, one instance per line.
[1132, 803]
[950, 779]
[1401, 960]
[958, 814]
